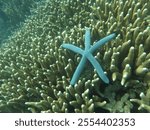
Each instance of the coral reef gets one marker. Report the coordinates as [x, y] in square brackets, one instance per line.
[35, 72]
[145, 100]
[12, 13]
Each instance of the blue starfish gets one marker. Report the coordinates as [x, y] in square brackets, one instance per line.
[87, 55]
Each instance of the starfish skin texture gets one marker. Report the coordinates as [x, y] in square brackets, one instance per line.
[87, 55]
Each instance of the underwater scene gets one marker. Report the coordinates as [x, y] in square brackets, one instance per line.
[74, 56]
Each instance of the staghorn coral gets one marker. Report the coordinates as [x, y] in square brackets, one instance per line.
[35, 72]
[145, 100]
[15, 11]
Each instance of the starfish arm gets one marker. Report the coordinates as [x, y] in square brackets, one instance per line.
[73, 48]
[98, 67]
[78, 70]
[102, 41]
[87, 39]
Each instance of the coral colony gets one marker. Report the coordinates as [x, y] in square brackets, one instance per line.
[87, 55]
[35, 71]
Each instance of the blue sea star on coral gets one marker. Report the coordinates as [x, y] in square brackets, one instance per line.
[87, 55]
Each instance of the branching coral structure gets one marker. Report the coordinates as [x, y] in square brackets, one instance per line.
[14, 11]
[35, 72]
